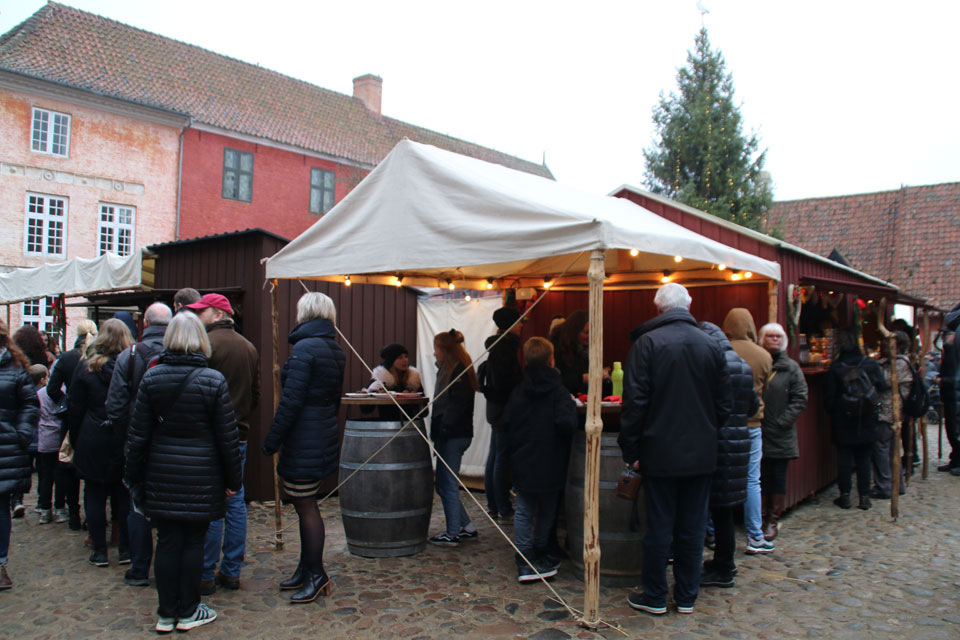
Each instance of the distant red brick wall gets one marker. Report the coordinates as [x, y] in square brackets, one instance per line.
[281, 188]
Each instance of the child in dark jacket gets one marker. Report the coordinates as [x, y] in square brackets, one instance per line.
[539, 418]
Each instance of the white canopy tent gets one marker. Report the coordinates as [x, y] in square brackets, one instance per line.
[428, 217]
[75, 277]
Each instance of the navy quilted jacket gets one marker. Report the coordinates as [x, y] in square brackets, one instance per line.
[188, 460]
[19, 413]
[729, 486]
[306, 421]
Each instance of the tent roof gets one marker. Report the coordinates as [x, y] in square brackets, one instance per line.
[75, 277]
[430, 215]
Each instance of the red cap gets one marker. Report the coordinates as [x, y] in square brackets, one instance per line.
[214, 300]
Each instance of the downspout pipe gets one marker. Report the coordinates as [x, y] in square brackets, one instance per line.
[176, 235]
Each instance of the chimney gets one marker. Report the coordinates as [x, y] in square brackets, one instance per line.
[369, 89]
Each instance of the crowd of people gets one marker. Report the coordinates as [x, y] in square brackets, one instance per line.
[157, 425]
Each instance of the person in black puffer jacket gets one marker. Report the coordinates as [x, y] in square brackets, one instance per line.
[949, 380]
[729, 487]
[19, 414]
[306, 432]
[183, 461]
[98, 451]
[853, 436]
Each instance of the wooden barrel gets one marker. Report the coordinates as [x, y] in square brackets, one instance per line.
[386, 505]
[621, 553]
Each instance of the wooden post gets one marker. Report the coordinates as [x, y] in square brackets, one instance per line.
[594, 427]
[63, 323]
[895, 406]
[925, 468]
[773, 291]
[277, 506]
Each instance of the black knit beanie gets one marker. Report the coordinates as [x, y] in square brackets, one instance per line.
[390, 353]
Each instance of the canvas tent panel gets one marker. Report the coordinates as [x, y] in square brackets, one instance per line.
[75, 277]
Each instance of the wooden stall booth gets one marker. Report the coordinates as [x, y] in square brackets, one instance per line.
[815, 297]
[428, 217]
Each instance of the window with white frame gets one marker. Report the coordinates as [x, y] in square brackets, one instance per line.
[39, 313]
[46, 226]
[117, 223]
[50, 132]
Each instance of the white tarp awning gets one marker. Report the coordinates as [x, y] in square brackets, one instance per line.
[74, 277]
[430, 215]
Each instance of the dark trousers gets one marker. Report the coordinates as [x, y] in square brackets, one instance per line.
[46, 474]
[846, 456]
[95, 496]
[141, 544]
[725, 535]
[948, 399]
[5, 527]
[68, 487]
[773, 476]
[496, 474]
[177, 567]
[676, 510]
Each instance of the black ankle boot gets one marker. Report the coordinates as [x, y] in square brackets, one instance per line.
[313, 585]
[295, 581]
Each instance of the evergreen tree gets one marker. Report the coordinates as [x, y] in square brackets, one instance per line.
[703, 158]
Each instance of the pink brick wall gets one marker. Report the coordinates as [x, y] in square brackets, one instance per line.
[135, 160]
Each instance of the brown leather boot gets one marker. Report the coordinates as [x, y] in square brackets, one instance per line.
[778, 504]
[5, 581]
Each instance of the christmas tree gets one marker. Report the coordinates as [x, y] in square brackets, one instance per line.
[703, 158]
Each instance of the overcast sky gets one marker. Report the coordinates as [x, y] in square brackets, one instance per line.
[848, 97]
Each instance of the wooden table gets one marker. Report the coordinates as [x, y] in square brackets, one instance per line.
[372, 400]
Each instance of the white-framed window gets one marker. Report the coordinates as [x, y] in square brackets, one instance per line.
[322, 183]
[39, 313]
[50, 132]
[116, 228]
[46, 226]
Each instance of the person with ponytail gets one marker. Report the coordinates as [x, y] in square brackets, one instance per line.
[451, 429]
[19, 414]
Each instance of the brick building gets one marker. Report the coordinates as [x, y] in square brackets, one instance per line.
[908, 236]
[196, 143]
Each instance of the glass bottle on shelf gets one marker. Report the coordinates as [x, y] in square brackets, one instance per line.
[804, 354]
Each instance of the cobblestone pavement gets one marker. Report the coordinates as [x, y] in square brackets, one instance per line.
[835, 574]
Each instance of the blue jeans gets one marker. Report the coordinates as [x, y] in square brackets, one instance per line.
[141, 543]
[752, 517]
[676, 510]
[228, 534]
[533, 520]
[496, 475]
[4, 527]
[447, 488]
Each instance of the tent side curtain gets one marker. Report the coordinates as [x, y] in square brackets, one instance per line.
[441, 215]
[75, 277]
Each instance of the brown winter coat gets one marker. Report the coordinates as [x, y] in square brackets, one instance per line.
[237, 359]
[742, 332]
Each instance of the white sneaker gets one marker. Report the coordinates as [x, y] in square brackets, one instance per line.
[201, 616]
[760, 546]
[61, 515]
[165, 625]
[45, 516]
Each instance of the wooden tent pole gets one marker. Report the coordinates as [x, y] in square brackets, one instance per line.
[922, 422]
[277, 506]
[594, 427]
[895, 406]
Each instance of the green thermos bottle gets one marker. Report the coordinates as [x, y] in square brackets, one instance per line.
[616, 376]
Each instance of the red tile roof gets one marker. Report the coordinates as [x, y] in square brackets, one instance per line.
[910, 237]
[93, 53]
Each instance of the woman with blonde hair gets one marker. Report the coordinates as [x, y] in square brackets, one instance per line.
[19, 413]
[451, 429]
[183, 451]
[98, 451]
[66, 480]
[305, 431]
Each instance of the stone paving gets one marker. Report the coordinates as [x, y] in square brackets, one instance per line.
[835, 574]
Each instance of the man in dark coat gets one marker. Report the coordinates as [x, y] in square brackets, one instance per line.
[503, 363]
[131, 364]
[676, 395]
[237, 359]
[949, 396]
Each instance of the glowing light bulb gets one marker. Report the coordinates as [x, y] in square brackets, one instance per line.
[678, 258]
[547, 283]
[399, 282]
[721, 267]
[346, 281]
[735, 276]
[450, 285]
[634, 252]
[748, 274]
[467, 297]
[665, 279]
[489, 284]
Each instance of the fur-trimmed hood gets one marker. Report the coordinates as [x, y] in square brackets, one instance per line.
[382, 377]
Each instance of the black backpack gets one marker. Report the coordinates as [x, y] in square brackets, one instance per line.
[486, 382]
[917, 402]
[858, 398]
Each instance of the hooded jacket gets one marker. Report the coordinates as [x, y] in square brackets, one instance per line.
[786, 398]
[851, 431]
[539, 419]
[504, 363]
[187, 460]
[729, 487]
[98, 451]
[740, 328]
[237, 359]
[305, 425]
[950, 369]
[19, 413]
[676, 395]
